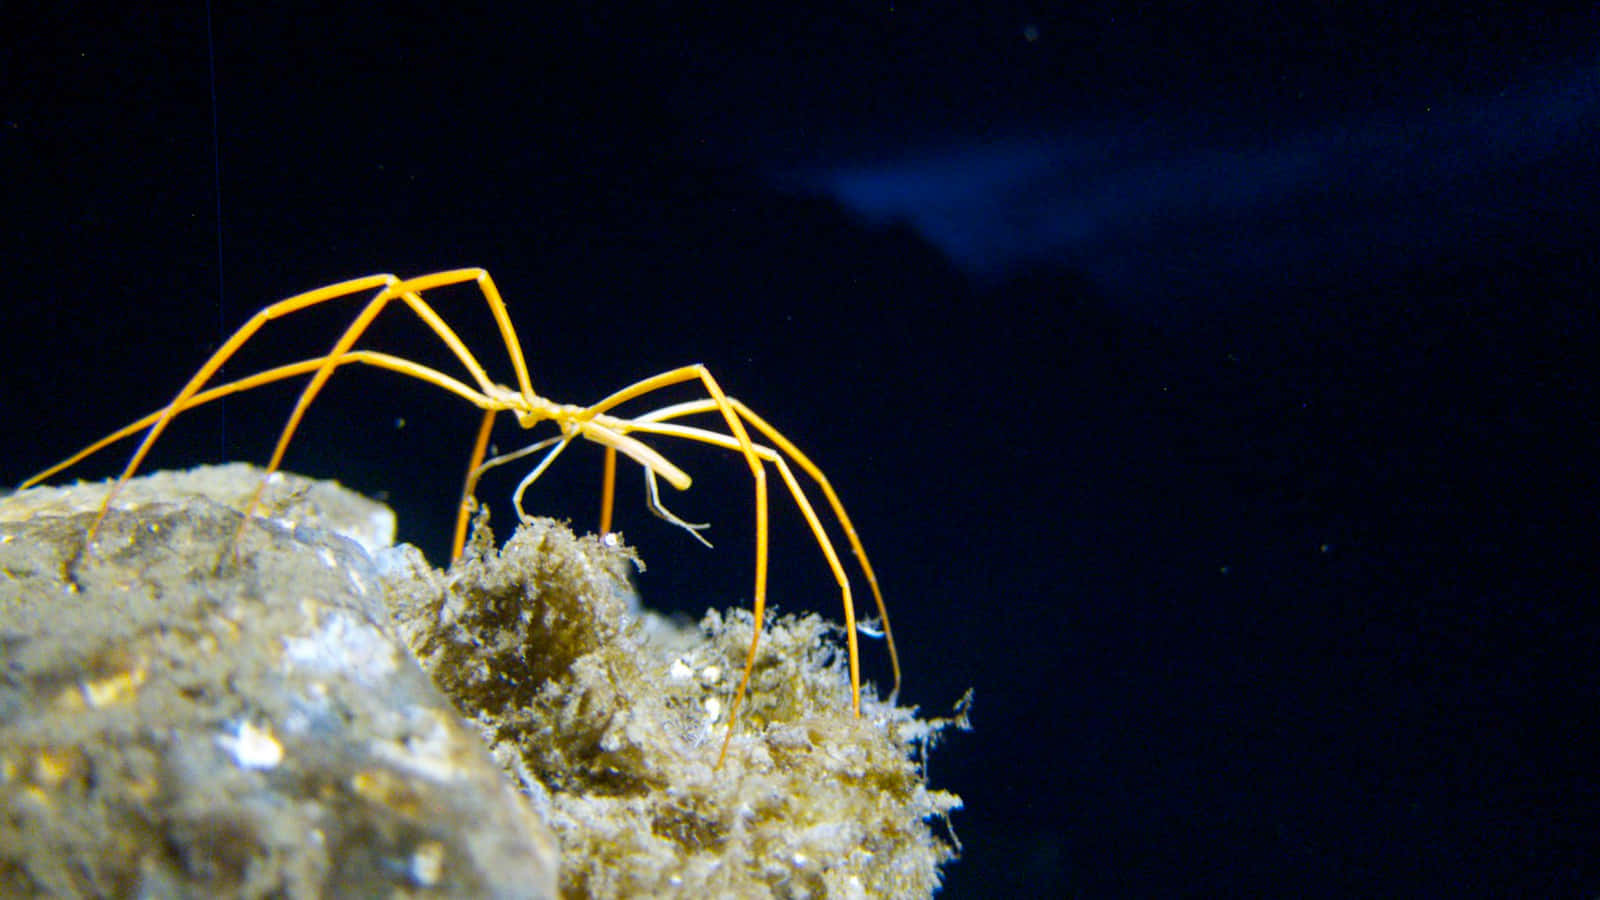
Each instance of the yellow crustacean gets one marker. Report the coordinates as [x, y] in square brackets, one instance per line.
[596, 422]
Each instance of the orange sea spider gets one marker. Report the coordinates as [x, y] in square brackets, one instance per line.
[596, 422]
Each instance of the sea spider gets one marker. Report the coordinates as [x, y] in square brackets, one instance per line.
[594, 422]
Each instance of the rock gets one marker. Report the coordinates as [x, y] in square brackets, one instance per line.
[613, 721]
[182, 714]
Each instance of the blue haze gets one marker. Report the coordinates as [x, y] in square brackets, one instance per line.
[1151, 207]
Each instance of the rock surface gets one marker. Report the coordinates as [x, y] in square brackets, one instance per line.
[186, 715]
[613, 721]
[188, 709]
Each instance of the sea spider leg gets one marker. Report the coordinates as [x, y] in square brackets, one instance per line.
[653, 501]
[268, 376]
[409, 291]
[573, 424]
[815, 472]
[655, 423]
[323, 367]
[594, 423]
[735, 414]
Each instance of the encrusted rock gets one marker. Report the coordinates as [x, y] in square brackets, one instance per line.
[614, 724]
[192, 709]
[184, 713]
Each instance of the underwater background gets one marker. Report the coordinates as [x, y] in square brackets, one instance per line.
[1208, 385]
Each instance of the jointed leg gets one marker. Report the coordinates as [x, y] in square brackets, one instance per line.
[660, 511]
[816, 473]
[469, 489]
[735, 413]
[223, 354]
[408, 291]
[608, 489]
[651, 422]
[695, 407]
[391, 288]
[268, 376]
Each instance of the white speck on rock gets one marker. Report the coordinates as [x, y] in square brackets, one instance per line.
[343, 644]
[252, 747]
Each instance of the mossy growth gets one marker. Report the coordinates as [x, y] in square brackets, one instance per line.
[613, 719]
